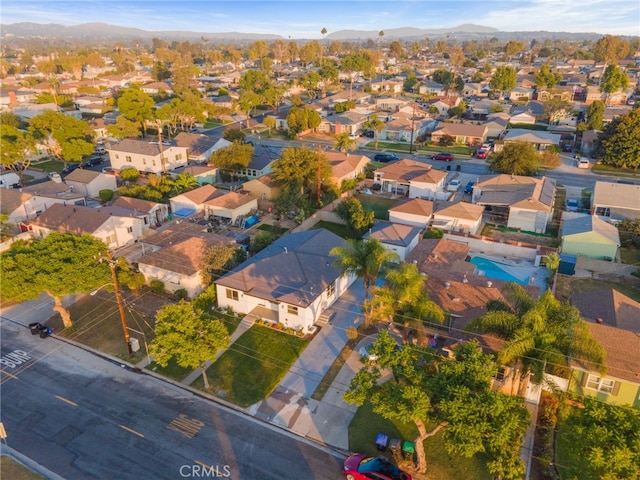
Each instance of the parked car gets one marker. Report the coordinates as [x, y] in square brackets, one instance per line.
[583, 162]
[365, 352]
[468, 188]
[353, 136]
[69, 168]
[454, 185]
[361, 467]
[482, 154]
[386, 157]
[368, 134]
[573, 205]
[447, 157]
[93, 162]
[100, 150]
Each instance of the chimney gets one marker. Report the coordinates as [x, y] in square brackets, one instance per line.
[12, 98]
[599, 320]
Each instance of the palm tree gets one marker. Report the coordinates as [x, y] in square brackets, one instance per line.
[185, 181]
[344, 142]
[374, 123]
[364, 259]
[542, 335]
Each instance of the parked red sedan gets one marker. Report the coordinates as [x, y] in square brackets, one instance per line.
[447, 157]
[361, 467]
[482, 154]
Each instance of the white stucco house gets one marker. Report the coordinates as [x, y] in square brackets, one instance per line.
[458, 217]
[395, 237]
[89, 183]
[147, 156]
[291, 282]
[410, 178]
[415, 212]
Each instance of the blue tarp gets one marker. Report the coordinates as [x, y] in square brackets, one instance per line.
[251, 221]
[184, 212]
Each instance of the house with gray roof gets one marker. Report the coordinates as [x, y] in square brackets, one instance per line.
[540, 140]
[587, 235]
[199, 147]
[524, 203]
[261, 162]
[616, 201]
[395, 237]
[291, 282]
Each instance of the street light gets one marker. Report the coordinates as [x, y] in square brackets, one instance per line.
[112, 266]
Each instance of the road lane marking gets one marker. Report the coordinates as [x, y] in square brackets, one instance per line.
[66, 401]
[7, 373]
[186, 426]
[131, 431]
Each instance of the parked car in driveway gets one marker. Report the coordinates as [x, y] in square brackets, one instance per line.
[361, 467]
[93, 162]
[468, 188]
[386, 157]
[69, 168]
[365, 352]
[454, 185]
[447, 157]
[482, 153]
[573, 205]
[583, 162]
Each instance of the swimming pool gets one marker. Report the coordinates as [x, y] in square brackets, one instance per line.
[492, 269]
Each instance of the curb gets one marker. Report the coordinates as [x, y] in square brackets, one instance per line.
[26, 462]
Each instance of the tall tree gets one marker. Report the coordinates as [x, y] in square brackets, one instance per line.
[136, 106]
[517, 158]
[233, 158]
[58, 265]
[344, 142]
[376, 125]
[613, 80]
[16, 147]
[540, 336]
[353, 64]
[595, 115]
[357, 218]
[610, 49]
[297, 169]
[618, 144]
[189, 336]
[67, 138]
[546, 78]
[504, 79]
[556, 108]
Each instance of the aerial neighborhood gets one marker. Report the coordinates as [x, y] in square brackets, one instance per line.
[381, 236]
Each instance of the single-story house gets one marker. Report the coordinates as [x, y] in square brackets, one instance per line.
[413, 211]
[230, 206]
[291, 282]
[540, 140]
[588, 142]
[524, 117]
[263, 188]
[155, 213]
[520, 202]
[588, 236]
[193, 201]
[261, 162]
[89, 183]
[616, 201]
[8, 179]
[410, 178]
[469, 134]
[457, 217]
[345, 166]
[395, 237]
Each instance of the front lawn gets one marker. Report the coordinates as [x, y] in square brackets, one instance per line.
[440, 465]
[252, 367]
[50, 165]
[172, 370]
[458, 149]
[379, 205]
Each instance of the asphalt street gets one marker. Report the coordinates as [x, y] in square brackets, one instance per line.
[84, 417]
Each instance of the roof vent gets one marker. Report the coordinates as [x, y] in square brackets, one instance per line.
[489, 284]
[465, 279]
[447, 284]
[599, 320]
[415, 262]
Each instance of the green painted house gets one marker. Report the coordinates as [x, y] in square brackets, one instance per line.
[588, 236]
[614, 321]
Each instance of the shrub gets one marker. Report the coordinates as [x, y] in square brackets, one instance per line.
[129, 174]
[446, 141]
[433, 233]
[106, 195]
[135, 281]
[181, 293]
[156, 286]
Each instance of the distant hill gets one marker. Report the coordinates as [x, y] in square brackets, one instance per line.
[409, 32]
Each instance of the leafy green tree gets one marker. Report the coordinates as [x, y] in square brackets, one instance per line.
[540, 336]
[160, 71]
[58, 265]
[610, 49]
[546, 78]
[504, 79]
[409, 82]
[186, 334]
[123, 128]
[517, 158]
[185, 181]
[216, 261]
[66, 137]
[364, 259]
[300, 119]
[234, 135]
[629, 232]
[136, 106]
[374, 123]
[618, 144]
[607, 439]
[344, 142]
[16, 147]
[310, 81]
[357, 218]
[613, 80]
[262, 241]
[297, 169]
[233, 158]
[444, 77]
[353, 64]
[129, 174]
[452, 393]
[595, 115]
[555, 107]
[270, 123]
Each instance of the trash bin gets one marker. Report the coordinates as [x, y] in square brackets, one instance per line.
[448, 168]
[458, 167]
[35, 328]
[381, 442]
[408, 449]
[394, 446]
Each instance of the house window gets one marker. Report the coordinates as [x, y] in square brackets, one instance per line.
[331, 289]
[117, 156]
[128, 158]
[292, 310]
[232, 294]
[111, 239]
[154, 162]
[601, 384]
[129, 229]
[178, 157]
[502, 371]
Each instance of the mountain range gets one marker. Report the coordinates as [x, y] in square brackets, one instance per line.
[100, 32]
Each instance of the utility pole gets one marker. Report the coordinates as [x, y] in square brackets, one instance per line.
[112, 266]
[413, 119]
[164, 166]
[319, 186]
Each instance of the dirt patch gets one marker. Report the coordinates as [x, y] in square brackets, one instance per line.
[513, 236]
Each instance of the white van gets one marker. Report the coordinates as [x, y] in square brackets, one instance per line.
[583, 162]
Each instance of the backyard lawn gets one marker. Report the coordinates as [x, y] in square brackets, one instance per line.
[440, 465]
[277, 231]
[253, 366]
[379, 205]
[337, 228]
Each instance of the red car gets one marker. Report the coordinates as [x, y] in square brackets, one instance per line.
[361, 467]
[447, 157]
[482, 154]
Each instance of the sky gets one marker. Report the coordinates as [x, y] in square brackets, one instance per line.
[306, 18]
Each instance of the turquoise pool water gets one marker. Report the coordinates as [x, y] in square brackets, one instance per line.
[497, 270]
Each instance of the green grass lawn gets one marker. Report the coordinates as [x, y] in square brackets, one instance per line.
[337, 228]
[212, 124]
[230, 321]
[16, 471]
[440, 465]
[272, 229]
[254, 365]
[379, 205]
[50, 165]
[172, 370]
[458, 149]
[630, 256]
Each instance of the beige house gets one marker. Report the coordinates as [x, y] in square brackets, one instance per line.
[415, 212]
[193, 201]
[345, 166]
[457, 217]
[230, 206]
[147, 157]
[465, 133]
[410, 178]
[263, 188]
[89, 183]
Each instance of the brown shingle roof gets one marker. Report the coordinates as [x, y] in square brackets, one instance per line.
[71, 219]
[202, 194]
[81, 175]
[135, 204]
[459, 209]
[612, 307]
[439, 255]
[414, 206]
[185, 257]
